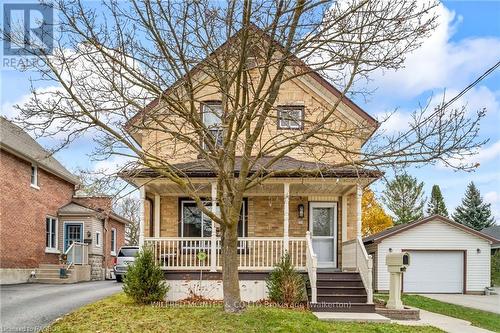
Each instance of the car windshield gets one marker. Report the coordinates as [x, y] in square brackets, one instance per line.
[128, 252]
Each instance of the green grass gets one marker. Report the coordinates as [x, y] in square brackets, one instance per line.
[118, 314]
[495, 268]
[479, 318]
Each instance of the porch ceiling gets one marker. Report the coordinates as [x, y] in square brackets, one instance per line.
[273, 187]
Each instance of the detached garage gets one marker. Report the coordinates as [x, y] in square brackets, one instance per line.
[445, 256]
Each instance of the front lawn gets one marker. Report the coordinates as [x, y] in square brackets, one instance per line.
[479, 318]
[118, 314]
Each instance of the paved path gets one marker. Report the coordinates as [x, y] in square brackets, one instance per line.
[31, 307]
[447, 324]
[489, 303]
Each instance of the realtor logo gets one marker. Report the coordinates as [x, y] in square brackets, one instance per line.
[28, 29]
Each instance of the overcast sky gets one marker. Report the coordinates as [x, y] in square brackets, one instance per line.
[466, 43]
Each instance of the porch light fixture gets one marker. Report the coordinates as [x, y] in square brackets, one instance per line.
[301, 211]
[478, 250]
[88, 234]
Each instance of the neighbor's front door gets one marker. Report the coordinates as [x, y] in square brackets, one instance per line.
[73, 233]
[323, 228]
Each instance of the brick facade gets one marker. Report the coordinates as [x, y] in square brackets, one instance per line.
[120, 240]
[23, 210]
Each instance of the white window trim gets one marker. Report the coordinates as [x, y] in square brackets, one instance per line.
[98, 240]
[290, 123]
[113, 237]
[35, 184]
[218, 129]
[54, 248]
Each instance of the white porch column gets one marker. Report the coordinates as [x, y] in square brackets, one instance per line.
[344, 218]
[142, 191]
[157, 215]
[359, 196]
[286, 213]
[213, 238]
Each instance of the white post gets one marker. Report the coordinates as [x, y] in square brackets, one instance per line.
[142, 191]
[359, 196]
[344, 218]
[286, 213]
[213, 238]
[157, 215]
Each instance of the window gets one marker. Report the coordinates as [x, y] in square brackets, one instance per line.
[113, 241]
[212, 114]
[98, 238]
[51, 233]
[194, 223]
[291, 117]
[34, 176]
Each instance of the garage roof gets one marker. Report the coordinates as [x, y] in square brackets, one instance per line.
[376, 238]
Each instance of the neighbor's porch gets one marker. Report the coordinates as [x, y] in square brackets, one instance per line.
[310, 219]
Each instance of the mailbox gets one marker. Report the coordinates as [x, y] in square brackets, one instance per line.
[397, 261]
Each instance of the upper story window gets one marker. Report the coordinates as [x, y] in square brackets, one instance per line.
[290, 117]
[113, 241]
[98, 238]
[212, 119]
[34, 176]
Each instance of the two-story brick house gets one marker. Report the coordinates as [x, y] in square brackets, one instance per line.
[40, 216]
[316, 218]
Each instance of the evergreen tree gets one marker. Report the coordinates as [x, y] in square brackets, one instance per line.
[404, 198]
[473, 212]
[436, 204]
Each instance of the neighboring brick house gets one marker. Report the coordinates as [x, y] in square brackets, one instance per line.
[35, 189]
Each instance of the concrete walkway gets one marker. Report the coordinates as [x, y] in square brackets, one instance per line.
[447, 324]
[489, 303]
[351, 316]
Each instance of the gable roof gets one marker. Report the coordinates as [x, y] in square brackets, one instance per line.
[76, 208]
[378, 237]
[201, 168]
[493, 231]
[16, 141]
[299, 62]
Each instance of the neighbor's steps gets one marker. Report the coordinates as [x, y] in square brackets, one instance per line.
[49, 273]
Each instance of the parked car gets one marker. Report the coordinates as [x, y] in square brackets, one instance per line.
[126, 257]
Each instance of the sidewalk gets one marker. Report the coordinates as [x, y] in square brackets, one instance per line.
[448, 324]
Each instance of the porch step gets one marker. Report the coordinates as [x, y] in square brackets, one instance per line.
[48, 266]
[344, 283]
[341, 298]
[341, 290]
[338, 276]
[335, 307]
[53, 280]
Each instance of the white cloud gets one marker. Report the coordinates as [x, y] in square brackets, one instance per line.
[492, 197]
[440, 62]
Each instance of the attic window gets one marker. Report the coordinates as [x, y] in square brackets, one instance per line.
[291, 117]
[212, 119]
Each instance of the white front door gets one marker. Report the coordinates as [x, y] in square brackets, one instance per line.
[323, 228]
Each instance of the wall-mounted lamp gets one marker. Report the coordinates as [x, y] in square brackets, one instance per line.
[390, 249]
[88, 234]
[301, 211]
[478, 250]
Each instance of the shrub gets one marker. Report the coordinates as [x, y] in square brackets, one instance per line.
[285, 285]
[495, 268]
[144, 281]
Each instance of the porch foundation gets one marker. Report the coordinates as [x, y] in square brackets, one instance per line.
[96, 267]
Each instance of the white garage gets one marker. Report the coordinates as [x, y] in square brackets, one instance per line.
[445, 257]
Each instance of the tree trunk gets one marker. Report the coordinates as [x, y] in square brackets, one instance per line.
[230, 280]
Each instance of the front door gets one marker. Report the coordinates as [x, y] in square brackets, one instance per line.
[73, 233]
[323, 228]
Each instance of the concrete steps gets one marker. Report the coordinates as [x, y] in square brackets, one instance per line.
[50, 273]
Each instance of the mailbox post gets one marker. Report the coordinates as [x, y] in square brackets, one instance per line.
[396, 265]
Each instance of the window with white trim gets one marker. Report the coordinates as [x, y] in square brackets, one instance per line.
[113, 241]
[212, 119]
[50, 233]
[291, 117]
[34, 175]
[98, 238]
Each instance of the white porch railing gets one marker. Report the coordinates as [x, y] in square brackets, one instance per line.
[311, 265]
[355, 258]
[254, 253]
[77, 254]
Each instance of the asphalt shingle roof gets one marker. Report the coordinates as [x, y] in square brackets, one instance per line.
[14, 139]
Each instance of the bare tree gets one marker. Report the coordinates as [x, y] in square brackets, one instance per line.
[141, 69]
[129, 208]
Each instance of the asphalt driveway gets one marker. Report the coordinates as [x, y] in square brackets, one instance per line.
[31, 307]
[489, 303]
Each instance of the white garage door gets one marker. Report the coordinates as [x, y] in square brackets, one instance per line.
[434, 272]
